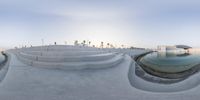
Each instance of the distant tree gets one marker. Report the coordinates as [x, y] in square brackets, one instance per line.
[111, 46]
[65, 42]
[122, 46]
[132, 47]
[76, 42]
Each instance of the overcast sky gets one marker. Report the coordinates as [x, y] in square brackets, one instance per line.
[142, 23]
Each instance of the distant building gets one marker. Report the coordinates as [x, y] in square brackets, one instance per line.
[176, 48]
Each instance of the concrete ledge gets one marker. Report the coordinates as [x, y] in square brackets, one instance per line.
[75, 65]
[96, 57]
[62, 53]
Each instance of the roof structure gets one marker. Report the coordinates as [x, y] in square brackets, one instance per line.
[183, 46]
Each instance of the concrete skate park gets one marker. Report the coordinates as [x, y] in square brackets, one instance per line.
[60, 72]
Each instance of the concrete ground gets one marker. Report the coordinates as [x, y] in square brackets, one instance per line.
[24, 82]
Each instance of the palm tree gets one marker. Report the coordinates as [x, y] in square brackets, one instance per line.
[89, 43]
[101, 44]
[83, 42]
[108, 44]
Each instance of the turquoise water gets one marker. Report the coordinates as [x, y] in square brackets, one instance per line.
[170, 62]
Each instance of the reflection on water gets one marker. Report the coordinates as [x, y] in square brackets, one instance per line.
[170, 62]
[171, 54]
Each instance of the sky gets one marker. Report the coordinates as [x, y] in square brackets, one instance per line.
[140, 23]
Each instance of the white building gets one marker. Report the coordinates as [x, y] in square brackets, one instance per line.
[176, 48]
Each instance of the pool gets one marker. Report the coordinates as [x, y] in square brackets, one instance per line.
[170, 64]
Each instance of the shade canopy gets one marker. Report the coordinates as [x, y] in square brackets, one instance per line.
[183, 46]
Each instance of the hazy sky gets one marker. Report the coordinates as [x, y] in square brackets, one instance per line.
[143, 23]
